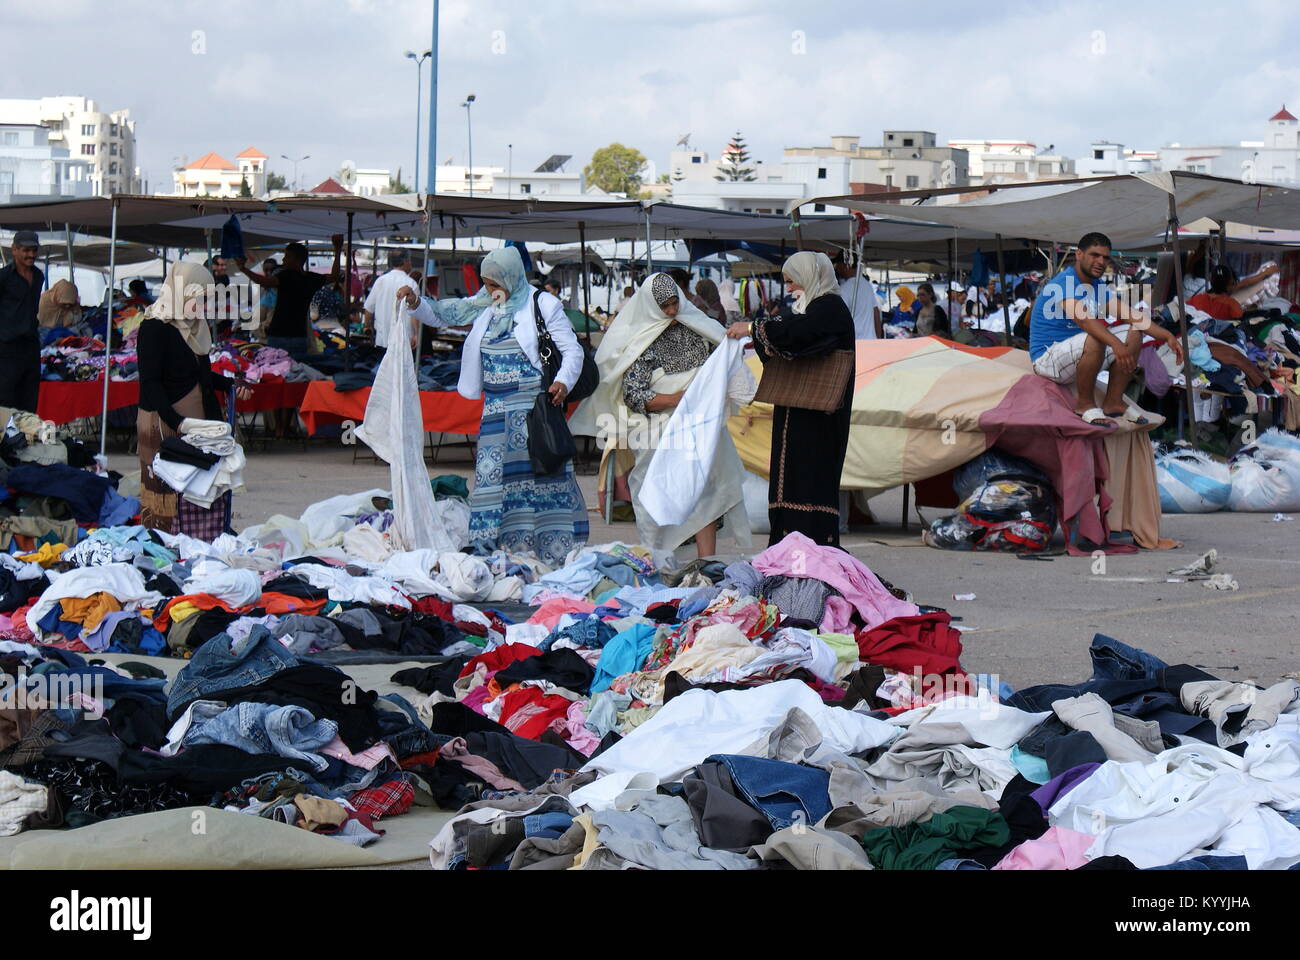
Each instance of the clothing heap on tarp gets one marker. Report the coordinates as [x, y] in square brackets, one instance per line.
[254, 363]
[788, 712]
[28, 439]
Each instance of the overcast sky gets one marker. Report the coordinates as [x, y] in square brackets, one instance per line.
[327, 77]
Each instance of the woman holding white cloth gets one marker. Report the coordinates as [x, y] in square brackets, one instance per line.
[511, 507]
[648, 359]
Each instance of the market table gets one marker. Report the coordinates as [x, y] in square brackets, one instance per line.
[64, 401]
[444, 411]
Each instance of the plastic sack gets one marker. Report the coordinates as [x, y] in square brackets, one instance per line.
[1266, 476]
[1012, 516]
[994, 464]
[1192, 482]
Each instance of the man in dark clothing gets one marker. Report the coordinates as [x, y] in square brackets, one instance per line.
[20, 345]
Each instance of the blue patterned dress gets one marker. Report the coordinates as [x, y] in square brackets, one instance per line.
[512, 509]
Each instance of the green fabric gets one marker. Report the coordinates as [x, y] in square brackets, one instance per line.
[845, 647]
[449, 486]
[581, 322]
[945, 836]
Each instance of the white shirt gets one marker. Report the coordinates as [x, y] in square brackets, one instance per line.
[382, 303]
[864, 309]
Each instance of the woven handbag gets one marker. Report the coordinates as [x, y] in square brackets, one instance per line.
[811, 383]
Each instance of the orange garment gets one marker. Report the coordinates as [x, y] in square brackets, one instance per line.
[89, 611]
[1218, 305]
[279, 604]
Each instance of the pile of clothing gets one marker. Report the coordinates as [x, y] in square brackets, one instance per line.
[81, 359]
[202, 463]
[1007, 504]
[793, 711]
[253, 363]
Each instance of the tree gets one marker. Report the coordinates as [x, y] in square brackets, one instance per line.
[275, 182]
[243, 187]
[732, 168]
[395, 185]
[616, 169]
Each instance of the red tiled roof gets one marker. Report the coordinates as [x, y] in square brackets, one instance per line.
[211, 161]
[252, 153]
[329, 186]
[1283, 114]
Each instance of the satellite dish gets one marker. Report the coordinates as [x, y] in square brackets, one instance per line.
[685, 141]
[348, 173]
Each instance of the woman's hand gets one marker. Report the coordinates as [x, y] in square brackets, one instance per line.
[243, 393]
[739, 330]
[559, 393]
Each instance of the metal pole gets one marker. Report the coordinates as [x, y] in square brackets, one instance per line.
[586, 282]
[347, 296]
[953, 325]
[510, 171]
[428, 241]
[1006, 305]
[431, 185]
[469, 126]
[419, 109]
[649, 263]
[108, 336]
[72, 263]
[1182, 312]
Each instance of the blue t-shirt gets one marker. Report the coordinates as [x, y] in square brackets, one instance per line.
[1048, 324]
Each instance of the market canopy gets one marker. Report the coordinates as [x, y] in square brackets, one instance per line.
[1132, 209]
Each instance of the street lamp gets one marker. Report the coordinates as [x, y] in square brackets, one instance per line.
[295, 167]
[419, 104]
[510, 171]
[469, 123]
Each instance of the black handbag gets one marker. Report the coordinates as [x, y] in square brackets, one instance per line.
[549, 353]
[550, 444]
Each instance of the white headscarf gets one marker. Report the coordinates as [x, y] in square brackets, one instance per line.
[815, 273]
[727, 294]
[636, 327]
[182, 303]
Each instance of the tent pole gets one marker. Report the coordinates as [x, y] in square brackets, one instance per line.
[72, 263]
[586, 282]
[347, 296]
[424, 282]
[108, 338]
[953, 325]
[649, 262]
[1006, 306]
[1182, 313]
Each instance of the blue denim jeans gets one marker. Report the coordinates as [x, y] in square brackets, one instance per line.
[1112, 660]
[785, 793]
[263, 728]
[1206, 863]
[216, 667]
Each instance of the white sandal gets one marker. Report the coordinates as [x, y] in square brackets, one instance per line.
[1095, 416]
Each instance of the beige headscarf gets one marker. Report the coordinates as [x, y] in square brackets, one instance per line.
[182, 302]
[60, 305]
[815, 273]
[631, 333]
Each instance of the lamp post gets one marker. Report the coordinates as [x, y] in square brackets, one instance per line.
[469, 125]
[419, 104]
[295, 167]
[510, 170]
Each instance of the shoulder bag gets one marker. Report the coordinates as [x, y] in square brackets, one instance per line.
[809, 383]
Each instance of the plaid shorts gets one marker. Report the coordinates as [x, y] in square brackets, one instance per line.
[1060, 361]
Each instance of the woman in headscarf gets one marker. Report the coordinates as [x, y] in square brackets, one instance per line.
[808, 446]
[177, 382]
[60, 306]
[512, 508]
[648, 358]
[707, 299]
[727, 297]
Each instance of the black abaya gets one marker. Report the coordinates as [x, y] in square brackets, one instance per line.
[808, 446]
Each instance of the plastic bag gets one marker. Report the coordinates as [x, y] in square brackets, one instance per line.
[994, 465]
[755, 490]
[1012, 516]
[1192, 482]
[1266, 475]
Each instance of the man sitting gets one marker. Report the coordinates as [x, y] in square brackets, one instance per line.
[1071, 342]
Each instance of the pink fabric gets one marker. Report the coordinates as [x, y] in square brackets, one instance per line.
[1057, 849]
[367, 759]
[549, 613]
[573, 728]
[476, 698]
[798, 556]
[838, 616]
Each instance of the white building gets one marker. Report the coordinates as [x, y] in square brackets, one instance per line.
[1012, 161]
[31, 168]
[371, 183]
[1111, 159]
[1273, 159]
[214, 176]
[106, 141]
[549, 180]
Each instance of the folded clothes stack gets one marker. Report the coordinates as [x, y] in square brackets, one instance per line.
[203, 463]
